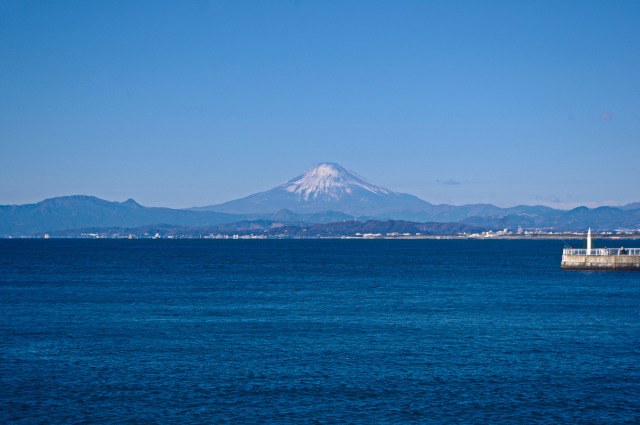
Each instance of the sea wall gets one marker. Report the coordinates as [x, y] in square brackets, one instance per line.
[601, 262]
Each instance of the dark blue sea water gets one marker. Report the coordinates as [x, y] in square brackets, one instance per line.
[313, 331]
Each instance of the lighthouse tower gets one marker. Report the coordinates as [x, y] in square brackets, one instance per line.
[589, 242]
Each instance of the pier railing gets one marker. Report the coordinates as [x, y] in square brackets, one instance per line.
[602, 251]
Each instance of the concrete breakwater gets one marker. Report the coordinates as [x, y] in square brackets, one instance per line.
[600, 259]
[600, 262]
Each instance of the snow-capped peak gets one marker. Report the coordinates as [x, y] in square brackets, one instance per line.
[330, 181]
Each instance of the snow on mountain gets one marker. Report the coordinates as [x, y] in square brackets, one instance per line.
[329, 181]
[324, 187]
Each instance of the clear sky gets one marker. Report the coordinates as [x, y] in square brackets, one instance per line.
[199, 102]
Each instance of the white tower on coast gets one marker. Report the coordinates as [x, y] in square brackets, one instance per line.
[589, 242]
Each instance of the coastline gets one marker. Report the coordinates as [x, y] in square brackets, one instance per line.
[570, 236]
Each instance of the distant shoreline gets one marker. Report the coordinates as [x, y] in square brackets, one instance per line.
[400, 237]
[504, 237]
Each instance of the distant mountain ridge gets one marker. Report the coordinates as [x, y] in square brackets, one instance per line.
[326, 186]
[81, 211]
[325, 193]
[631, 206]
[577, 219]
[77, 211]
[330, 186]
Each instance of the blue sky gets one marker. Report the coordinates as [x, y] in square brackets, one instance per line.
[194, 103]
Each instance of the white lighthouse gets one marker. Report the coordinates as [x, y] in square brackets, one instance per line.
[589, 242]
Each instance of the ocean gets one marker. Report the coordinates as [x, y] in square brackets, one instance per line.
[314, 332]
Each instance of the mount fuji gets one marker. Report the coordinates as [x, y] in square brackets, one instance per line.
[324, 187]
[325, 193]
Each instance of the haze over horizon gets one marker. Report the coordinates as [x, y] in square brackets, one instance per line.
[199, 103]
